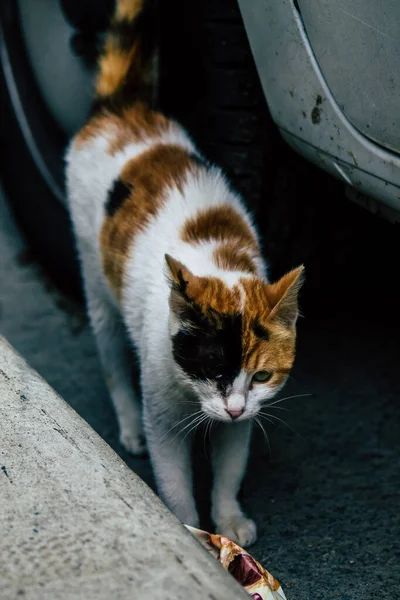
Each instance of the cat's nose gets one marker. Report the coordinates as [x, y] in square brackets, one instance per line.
[235, 413]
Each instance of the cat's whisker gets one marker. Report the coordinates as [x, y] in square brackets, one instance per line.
[266, 438]
[198, 412]
[191, 426]
[205, 434]
[195, 418]
[195, 424]
[193, 402]
[213, 421]
[179, 423]
[209, 426]
[199, 417]
[265, 415]
[287, 398]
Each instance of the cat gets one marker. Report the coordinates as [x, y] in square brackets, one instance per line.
[171, 261]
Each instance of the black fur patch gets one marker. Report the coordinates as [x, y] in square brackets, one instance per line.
[210, 348]
[260, 331]
[117, 196]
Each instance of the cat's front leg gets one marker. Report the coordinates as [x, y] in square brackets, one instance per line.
[230, 454]
[110, 336]
[170, 454]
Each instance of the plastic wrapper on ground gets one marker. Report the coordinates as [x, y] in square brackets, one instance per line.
[252, 576]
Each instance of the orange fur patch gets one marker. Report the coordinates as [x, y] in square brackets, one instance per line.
[230, 257]
[113, 67]
[116, 60]
[274, 307]
[137, 123]
[259, 354]
[150, 175]
[132, 125]
[224, 224]
[208, 293]
[221, 223]
[128, 9]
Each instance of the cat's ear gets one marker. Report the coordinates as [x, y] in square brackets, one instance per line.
[178, 273]
[283, 296]
[180, 277]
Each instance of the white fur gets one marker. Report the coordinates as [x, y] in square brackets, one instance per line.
[172, 405]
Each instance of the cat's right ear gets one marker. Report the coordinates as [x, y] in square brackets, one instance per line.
[178, 273]
[179, 277]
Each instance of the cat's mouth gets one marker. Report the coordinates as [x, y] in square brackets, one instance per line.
[227, 415]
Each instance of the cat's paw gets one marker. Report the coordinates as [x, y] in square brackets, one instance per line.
[186, 512]
[135, 443]
[239, 529]
[192, 521]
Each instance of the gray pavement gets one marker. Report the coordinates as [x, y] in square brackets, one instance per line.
[75, 521]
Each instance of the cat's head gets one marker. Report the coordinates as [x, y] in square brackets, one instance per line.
[233, 345]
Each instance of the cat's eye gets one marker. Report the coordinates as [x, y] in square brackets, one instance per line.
[262, 376]
[218, 377]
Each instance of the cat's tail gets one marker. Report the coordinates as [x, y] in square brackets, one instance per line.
[127, 66]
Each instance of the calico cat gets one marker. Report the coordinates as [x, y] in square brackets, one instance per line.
[171, 261]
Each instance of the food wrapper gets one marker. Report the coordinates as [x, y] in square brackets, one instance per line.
[256, 580]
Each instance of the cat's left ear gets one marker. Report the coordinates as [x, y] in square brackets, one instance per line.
[283, 296]
[180, 278]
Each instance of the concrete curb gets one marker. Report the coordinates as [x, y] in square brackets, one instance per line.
[75, 521]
